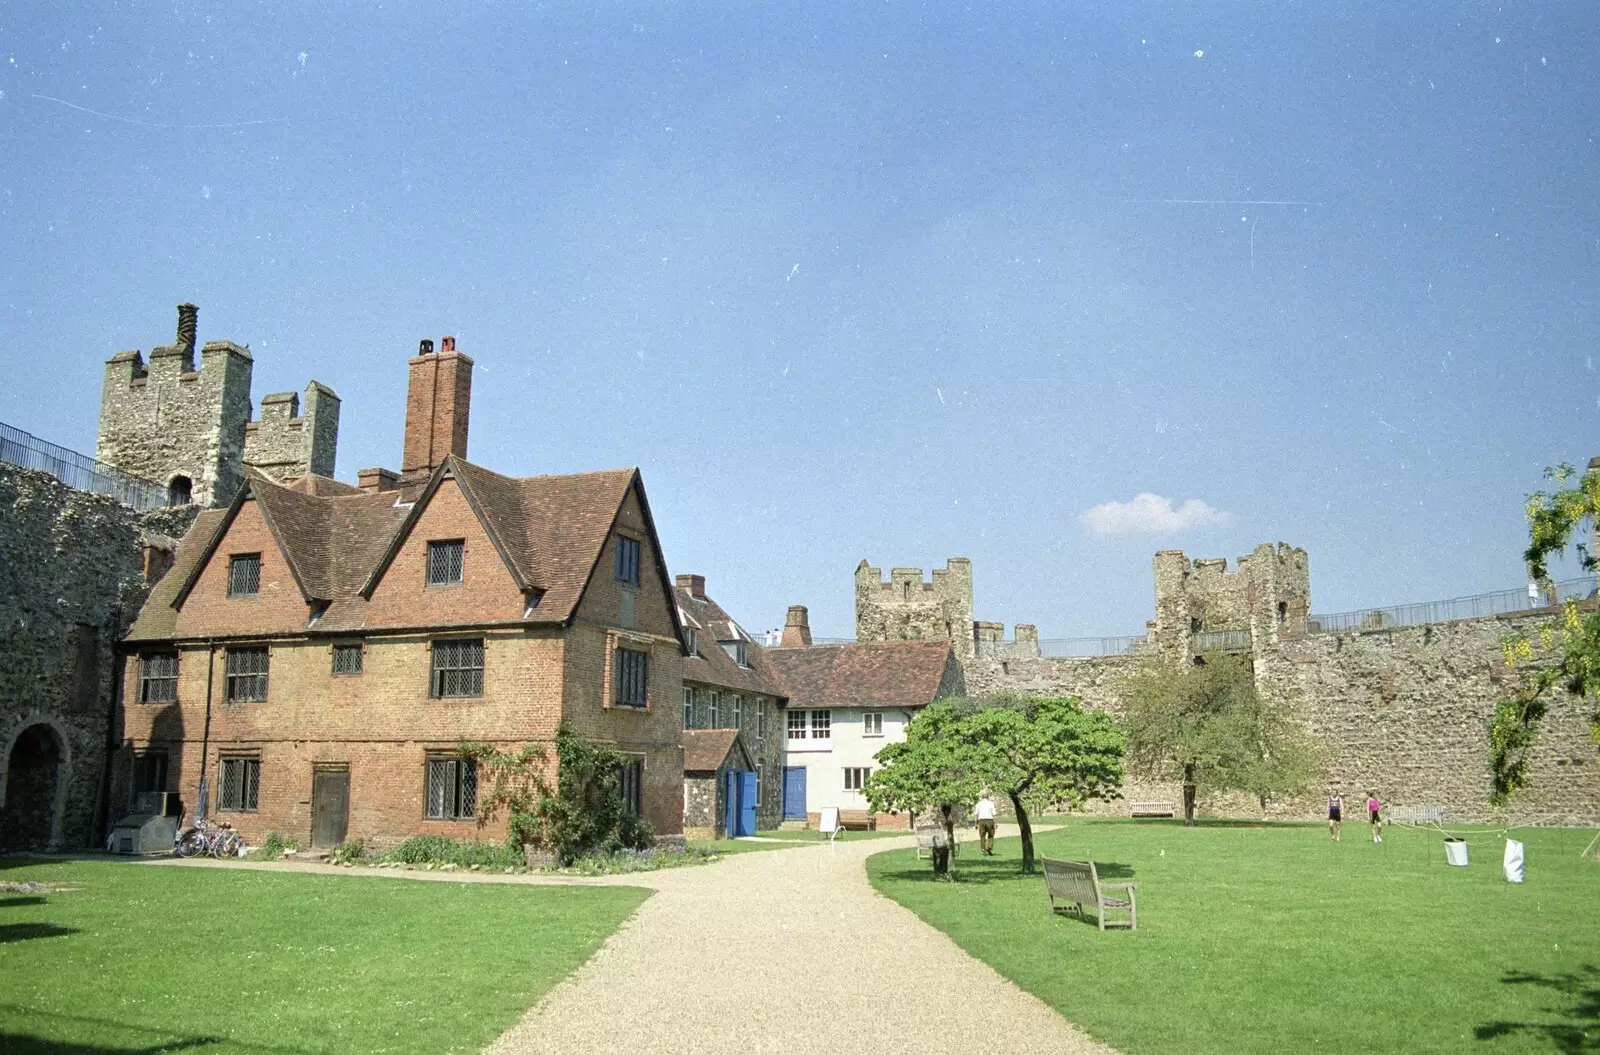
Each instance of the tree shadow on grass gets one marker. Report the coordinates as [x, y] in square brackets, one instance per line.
[19, 902]
[22, 1044]
[983, 871]
[10, 932]
[1578, 1027]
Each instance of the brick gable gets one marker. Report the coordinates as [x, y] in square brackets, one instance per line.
[278, 608]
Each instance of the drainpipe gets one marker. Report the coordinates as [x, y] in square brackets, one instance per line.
[205, 737]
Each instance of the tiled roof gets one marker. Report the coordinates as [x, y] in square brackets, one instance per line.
[712, 665]
[550, 529]
[705, 749]
[904, 674]
[325, 486]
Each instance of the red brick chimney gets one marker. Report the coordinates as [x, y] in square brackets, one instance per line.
[437, 406]
[796, 628]
[695, 584]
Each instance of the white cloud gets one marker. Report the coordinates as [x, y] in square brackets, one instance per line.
[1149, 514]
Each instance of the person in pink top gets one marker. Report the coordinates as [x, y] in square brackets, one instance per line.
[1375, 815]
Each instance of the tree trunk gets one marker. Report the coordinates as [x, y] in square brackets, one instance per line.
[1026, 829]
[949, 830]
[1188, 794]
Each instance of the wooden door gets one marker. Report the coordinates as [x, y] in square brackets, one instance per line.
[330, 807]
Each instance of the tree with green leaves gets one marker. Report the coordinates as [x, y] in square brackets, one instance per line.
[930, 771]
[1556, 519]
[1041, 752]
[1209, 723]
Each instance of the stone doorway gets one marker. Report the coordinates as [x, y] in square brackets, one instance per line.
[35, 780]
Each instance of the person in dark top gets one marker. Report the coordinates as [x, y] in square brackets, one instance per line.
[1335, 813]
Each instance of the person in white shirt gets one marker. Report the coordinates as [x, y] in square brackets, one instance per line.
[985, 816]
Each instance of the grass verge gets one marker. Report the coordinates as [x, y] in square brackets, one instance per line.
[1266, 939]
[146, 958]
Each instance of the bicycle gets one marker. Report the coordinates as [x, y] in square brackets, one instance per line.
[206, 838]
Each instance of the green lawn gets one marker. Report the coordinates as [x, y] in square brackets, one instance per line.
[1276, 940]
[147, 958]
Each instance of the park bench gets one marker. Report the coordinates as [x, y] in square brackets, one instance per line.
[1417, 814]
[852, 820]
[1077, 883]
[1152, 809]
[931, 835]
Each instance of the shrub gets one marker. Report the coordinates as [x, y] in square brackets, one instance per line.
[347, 853]
[274, 846]
[441, 850]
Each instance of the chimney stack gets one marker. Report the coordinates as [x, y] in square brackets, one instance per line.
[695, 584]
[187, 316]
[796, 628]
[375, 480]
[437, 407]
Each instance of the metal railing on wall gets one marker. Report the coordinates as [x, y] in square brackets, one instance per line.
[1477, 606]
[78, 470]
[1220, 641]
[1087, 647]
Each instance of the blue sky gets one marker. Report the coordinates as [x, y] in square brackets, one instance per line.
[864, 281]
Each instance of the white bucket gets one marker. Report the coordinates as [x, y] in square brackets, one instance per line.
[1455, 852]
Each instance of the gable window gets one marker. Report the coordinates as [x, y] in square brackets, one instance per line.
[872, 723]
[457, 669]
[241, 784]
[150, 772]
[347, 658]
[691, 640]
[797, 725]
[158, 677]
[738, 712]
[452, 791]
[631, 673]
[821, 725]
[855, 777]
[627, 560]
[244, 575]
[630, 782]
[737, 652]
[445, 562]
[688, 707]
[247, 675]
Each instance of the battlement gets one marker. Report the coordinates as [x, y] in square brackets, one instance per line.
[1267, 593]
[185, 426]
[907, 607]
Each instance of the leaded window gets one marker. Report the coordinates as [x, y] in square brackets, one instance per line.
[347, 659]
[247, 674]
[445, 562]
[716, 710]
[244, 575]
[452, 791]
[627, 568]
[457, 669]
[630, 782]
[797, 725]
[688, 707]
[738, 712]
[241, 784]
[821, 725]
[158, 677]
[631, 674]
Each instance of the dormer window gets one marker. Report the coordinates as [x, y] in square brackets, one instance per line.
[691, 640]
[244, 575]
[627, 569]
[446, 561]
[737, 651]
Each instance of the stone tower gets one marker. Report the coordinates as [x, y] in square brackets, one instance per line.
[905, 608]
[1267, 596]
[190, 428]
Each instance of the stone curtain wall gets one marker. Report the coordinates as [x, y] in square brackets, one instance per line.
[70, 583]
[1405, 712]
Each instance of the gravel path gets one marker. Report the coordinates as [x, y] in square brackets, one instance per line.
[789, 951]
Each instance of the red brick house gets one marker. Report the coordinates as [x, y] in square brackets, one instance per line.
[318, 651]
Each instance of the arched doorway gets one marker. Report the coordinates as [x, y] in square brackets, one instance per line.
[180, 491]
[35, 777]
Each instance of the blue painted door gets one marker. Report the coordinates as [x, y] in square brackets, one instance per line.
[794, 793]
[747, 802]
[730, 803]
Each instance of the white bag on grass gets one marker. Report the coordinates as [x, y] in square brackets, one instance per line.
[1513, 861]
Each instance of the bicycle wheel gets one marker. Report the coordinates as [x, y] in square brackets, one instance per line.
[193, 843]
[226, 845]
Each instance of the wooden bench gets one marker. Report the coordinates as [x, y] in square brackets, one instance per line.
[931, 835]
[1152, 809]
[1077, 883]
[854, 820]
[1417, 814]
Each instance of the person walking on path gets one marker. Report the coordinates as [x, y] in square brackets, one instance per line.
[1335, 813]
[985, 815]
[1375, 815]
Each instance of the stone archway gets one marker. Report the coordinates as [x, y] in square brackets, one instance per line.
[34, 772]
